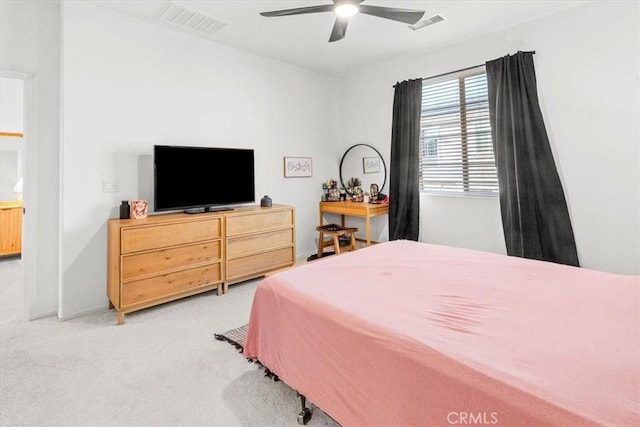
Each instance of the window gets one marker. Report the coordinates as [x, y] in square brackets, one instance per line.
[456, 154]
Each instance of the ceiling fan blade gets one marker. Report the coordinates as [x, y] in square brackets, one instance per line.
[339, 29]
[299, 11]
[408, 16]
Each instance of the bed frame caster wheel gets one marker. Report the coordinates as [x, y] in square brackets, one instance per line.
[304, 417]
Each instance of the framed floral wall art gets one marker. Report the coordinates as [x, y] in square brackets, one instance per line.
[295, 167]
[371, 164]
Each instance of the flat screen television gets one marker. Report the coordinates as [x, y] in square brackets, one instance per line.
[199, 179]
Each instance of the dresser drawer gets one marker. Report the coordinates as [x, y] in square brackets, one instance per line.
[160, 236]
[263, 220]
[165, 260]
[259, 263]
[243, 245]
[142, 291]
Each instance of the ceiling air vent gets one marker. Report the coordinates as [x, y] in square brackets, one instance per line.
[183, 18]
[429, 21]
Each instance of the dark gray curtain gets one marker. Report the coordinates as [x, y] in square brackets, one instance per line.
[535, 217]
[404, 192]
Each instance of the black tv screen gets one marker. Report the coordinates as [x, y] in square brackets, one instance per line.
[190, 178]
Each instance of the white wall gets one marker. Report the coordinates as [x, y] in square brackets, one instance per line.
[129, 84]
[11, 154]
[29, 47]
[587, 64]
[11, 105]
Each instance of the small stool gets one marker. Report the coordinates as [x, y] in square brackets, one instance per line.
[335, 231]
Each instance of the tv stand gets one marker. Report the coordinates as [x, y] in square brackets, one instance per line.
[209, 209]
[219, 208]
[165, 257]
[195, 211]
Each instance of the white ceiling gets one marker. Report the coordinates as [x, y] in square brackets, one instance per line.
[303, 39]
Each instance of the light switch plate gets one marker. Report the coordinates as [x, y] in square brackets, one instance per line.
[110, 186]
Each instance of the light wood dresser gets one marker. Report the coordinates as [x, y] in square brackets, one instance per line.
[10, 228]
[162, 258]
[258, 241]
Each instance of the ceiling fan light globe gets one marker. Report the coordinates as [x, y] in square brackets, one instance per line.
[345, 10]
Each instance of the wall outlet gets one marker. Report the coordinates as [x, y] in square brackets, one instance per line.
[110, 186]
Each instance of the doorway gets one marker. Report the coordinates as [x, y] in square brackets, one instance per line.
[12, 167]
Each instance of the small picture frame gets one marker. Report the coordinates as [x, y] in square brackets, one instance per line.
[139, 209]
[371, 164]
[296, 167]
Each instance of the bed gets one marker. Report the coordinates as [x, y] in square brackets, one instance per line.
[407, 333]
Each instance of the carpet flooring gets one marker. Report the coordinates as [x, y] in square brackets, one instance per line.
[163, 367]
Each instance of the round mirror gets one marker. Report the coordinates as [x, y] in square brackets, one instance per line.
[360, 167]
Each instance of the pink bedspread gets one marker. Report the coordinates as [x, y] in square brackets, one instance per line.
[406, 333]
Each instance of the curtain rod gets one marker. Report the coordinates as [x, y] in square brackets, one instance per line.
[533, 52]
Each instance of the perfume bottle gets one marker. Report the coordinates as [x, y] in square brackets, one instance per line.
[125, 210]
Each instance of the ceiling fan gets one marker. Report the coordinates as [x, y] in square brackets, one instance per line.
[346, 8]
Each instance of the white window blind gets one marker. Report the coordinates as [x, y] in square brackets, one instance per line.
[456, 154]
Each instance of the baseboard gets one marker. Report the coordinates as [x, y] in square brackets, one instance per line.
[303, 258]
[97, 309]
[42, 315]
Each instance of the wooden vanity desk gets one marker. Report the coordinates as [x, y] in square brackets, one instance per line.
[357, 209]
